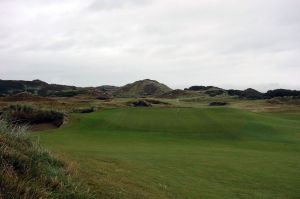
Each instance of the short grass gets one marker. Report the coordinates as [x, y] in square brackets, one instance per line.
[184, 152]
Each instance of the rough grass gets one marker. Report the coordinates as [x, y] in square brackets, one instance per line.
[208, 153]
[24, 114]
[28, 171]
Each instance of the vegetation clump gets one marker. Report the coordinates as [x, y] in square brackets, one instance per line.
[24, 114]
[28, 171]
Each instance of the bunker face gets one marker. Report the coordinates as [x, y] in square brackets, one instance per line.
[214, 152]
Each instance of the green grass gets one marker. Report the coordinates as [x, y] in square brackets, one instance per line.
[184, 152]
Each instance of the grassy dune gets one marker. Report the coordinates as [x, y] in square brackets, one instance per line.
[184, 152]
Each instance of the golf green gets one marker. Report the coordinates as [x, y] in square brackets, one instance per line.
[213, 152]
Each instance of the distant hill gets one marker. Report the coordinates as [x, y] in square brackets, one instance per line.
[35, 87]
[142, 88]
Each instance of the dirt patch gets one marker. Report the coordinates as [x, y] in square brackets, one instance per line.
[218, 103]
[42, 127]
[179, 94]
[153, 101]
[140, 103]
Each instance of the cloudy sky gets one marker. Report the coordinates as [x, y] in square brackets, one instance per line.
[227, 43]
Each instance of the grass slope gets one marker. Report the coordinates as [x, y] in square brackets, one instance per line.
[184, 152]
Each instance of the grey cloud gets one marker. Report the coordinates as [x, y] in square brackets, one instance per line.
[230, 43]
[115, 4]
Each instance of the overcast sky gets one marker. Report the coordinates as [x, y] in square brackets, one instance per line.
[226, 43]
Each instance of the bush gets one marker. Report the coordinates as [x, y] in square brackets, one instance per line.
[28, 171]
[23, 114]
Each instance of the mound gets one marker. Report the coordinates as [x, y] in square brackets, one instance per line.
[142, 88]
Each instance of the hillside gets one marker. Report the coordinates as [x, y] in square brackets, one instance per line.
[142, 88]
[28, 171]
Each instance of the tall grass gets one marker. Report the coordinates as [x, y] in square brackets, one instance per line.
[28, 171]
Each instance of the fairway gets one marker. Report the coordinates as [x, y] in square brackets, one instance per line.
[183, 152]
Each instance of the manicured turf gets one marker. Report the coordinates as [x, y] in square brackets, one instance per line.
[184, 152]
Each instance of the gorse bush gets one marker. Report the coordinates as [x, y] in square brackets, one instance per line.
[24, 114]
[28, 171]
